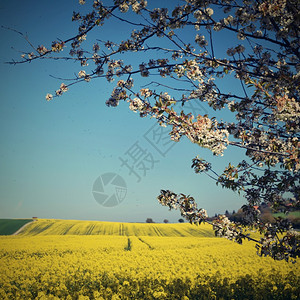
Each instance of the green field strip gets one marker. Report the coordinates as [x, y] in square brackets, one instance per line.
[10, 226]
[295, 214]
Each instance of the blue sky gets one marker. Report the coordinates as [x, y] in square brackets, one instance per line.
[52, 152]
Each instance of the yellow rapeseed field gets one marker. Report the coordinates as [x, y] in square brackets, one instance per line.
[57, 259]
[75, 227]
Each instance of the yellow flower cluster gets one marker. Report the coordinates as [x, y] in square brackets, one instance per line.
[137, 266]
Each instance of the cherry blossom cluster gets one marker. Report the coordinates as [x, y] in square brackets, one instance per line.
[262, 59]
[225, 228]
[119, 93]
[186, 205]
[136, 6]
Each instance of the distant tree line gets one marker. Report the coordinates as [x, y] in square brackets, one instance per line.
[150, 220]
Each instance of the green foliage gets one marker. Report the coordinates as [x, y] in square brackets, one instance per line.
[128, 246]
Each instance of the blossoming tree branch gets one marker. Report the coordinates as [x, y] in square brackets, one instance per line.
[263, 61]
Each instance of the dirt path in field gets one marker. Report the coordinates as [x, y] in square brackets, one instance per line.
[20, 229]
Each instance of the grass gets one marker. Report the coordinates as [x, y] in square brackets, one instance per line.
[10, 226]
[295, 214]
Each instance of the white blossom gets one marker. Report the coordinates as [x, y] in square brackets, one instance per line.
[49, 97]
[241, 35]
[136, 105]
[209, 11]
[81, 74]
[200, 40]
[63, 87]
